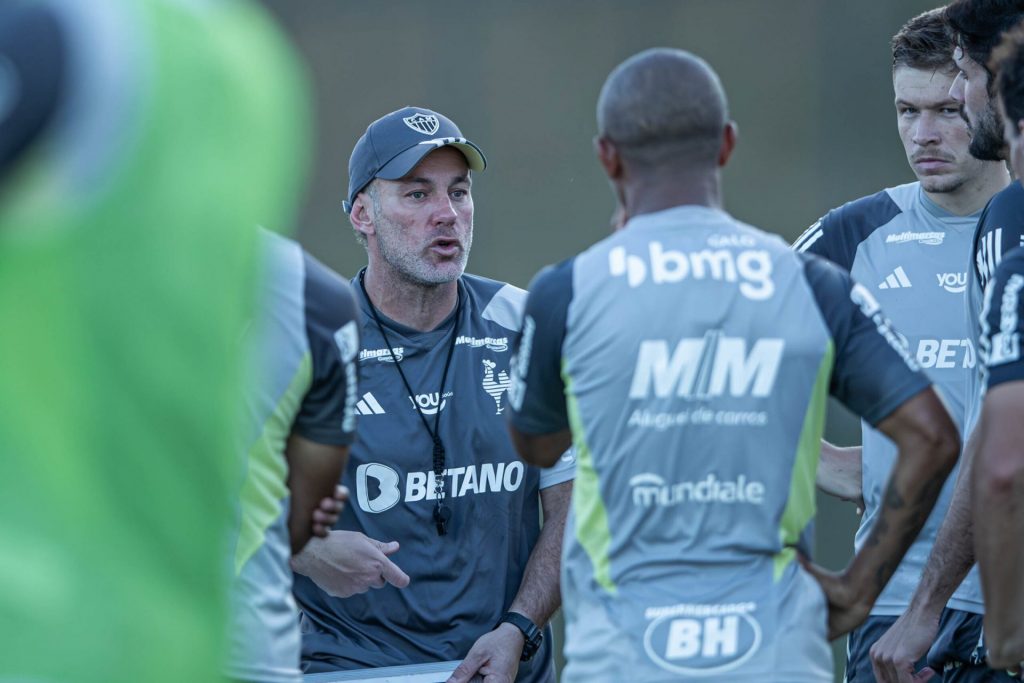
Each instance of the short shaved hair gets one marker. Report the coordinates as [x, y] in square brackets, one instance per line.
[663, 106]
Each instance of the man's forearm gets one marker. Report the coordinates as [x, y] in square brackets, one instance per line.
[539, 596]
[998, 498]
[952, 554]
[928, 445]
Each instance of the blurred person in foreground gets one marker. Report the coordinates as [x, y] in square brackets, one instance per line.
[909, 244]
[445, 522]
[300, 408]
[976, 26]
[140, 143]
[689, 357]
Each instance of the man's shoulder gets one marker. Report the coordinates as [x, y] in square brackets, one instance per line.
[874, 210]
[1005, 209]
[839, 233]
[497, 302]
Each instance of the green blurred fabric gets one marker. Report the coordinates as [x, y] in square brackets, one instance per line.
[123, 295]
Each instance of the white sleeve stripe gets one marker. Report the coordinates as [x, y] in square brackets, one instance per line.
[813, 231]
[803, 245]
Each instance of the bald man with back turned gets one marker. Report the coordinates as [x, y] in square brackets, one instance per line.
[688, 357]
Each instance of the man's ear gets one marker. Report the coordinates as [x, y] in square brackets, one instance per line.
[729, 135]
[609, 157]
[361, 216]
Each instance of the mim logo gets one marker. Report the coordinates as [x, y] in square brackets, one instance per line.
[706, 367]
[751, 268]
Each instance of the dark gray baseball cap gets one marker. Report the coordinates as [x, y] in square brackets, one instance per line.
[393, 145]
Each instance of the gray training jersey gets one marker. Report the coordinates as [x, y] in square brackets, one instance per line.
[304, 343]
[463, 582]
[691, 355]
[913, 255]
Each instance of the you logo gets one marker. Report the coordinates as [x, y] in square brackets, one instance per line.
[431, 404]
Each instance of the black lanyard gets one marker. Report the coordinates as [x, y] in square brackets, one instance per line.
[442, 513]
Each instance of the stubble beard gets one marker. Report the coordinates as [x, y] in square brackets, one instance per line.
[944, 184]
[412, 264]
[987, 136]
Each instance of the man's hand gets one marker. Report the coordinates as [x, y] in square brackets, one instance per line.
[494, 657]
[845, 612]
[327, 512]
[896, 653]
[348, 562]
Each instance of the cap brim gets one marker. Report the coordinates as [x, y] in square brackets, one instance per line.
[405, 161]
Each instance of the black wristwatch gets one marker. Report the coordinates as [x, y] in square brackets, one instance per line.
[534, 636]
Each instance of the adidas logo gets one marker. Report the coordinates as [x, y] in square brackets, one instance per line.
[897, 279]
[368, 405]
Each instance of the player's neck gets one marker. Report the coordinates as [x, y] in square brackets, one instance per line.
[972, 196]
[413, 304]
[657, 192]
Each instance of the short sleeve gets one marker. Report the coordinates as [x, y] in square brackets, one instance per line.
[537, 391]
[1001, 322]
[874, 372]
[327, 412]
[562, 471]
[837, 235]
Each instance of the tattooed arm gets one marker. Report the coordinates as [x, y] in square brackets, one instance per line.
[928, 446]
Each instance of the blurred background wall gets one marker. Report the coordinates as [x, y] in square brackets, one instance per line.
[809, 84]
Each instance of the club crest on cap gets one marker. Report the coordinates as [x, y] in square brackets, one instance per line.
[423, 123]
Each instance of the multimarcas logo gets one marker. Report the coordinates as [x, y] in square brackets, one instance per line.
[380, 487]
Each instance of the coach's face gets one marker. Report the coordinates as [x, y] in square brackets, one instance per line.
[422, 226]
[935, 136]
[970, 89]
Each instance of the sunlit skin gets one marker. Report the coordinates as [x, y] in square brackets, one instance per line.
[424, 228]
[970, 89]
[418, 236]
[934, 135]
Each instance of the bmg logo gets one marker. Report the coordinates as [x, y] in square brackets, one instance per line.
[752, 268]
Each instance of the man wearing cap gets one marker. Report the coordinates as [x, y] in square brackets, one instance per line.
[445, 520]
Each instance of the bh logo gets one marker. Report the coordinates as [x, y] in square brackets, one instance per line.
[702, 640]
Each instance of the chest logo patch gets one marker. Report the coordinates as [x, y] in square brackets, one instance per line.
[495, 384]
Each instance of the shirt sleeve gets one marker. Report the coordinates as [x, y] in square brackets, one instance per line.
[562, 471]
[1001, 322]
[874, 372]
[837, 235]
[327, 413]
[537, 392]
